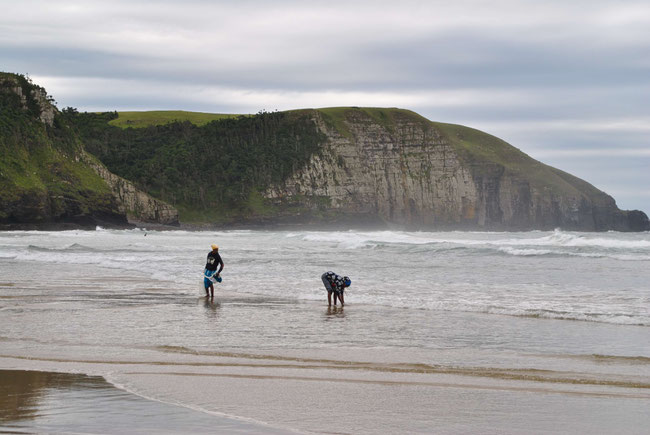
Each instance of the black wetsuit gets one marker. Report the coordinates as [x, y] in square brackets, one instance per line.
[214, 259]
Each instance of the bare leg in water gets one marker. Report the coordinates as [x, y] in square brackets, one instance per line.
[209, 291]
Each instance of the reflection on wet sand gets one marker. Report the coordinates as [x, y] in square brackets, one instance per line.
[22, 391]
[211, 305]
[337, 312]
[43, 402]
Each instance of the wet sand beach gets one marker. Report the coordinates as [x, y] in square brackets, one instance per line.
[315, 393]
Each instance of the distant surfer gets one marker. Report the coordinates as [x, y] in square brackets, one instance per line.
[211, 274]
[335, 284]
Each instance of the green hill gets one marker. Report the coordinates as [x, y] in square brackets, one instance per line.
[479, 148]
[42, 180]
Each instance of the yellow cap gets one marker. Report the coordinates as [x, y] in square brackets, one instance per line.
[215, 247]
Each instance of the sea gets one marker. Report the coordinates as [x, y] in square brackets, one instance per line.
[441, 332]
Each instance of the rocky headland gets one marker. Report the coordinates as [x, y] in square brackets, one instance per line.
[399, 167]
[320, 168]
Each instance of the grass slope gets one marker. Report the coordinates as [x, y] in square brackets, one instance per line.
[41, 177]
[337, 117]
[477, 148]
[141, 119]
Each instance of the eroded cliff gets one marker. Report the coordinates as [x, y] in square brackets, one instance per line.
[397, 166]
[136, 204]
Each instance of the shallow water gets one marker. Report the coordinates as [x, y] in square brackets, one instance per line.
[481, 332]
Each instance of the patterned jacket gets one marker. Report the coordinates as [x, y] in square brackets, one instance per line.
[336, 281]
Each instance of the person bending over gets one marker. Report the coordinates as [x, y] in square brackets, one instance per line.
[335, 284]
[211, 274]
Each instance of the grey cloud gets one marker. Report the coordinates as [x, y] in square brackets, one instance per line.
[328, 59]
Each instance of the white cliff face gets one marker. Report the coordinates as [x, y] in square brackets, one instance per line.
[407, 176]
[46, 108]
[135, 203]
[408, 173]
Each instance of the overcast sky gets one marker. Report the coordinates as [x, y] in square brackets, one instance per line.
[567, 82]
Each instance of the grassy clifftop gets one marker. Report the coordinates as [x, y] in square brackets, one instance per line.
[338, 117]
[334, 116]
[161, 117]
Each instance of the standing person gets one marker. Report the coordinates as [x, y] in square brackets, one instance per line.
[335, 284]
[211, 274]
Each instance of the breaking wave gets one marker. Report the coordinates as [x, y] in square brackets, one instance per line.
[617, 246]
